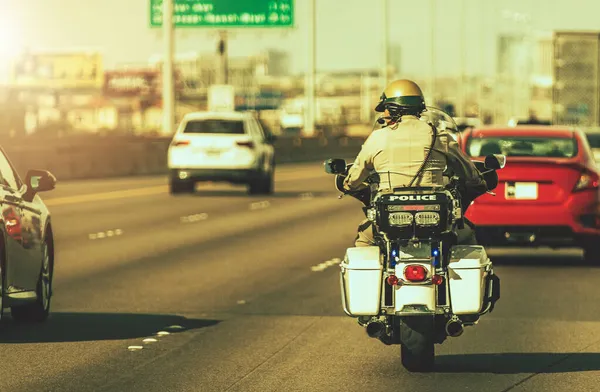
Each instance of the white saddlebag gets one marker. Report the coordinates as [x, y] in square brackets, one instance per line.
[467, 273]
[361, 279]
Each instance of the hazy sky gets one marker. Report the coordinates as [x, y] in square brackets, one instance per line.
[349, 31]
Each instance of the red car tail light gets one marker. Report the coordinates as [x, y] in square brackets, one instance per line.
[587, 180]
[415, 273]
[180, 143]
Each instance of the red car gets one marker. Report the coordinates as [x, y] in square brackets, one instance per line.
[548, 191]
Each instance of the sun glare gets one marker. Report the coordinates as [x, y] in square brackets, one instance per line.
[11, 41]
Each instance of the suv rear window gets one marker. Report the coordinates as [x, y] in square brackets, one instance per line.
[521, 146]
[215, 126]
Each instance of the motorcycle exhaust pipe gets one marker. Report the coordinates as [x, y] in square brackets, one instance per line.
[454, 327]
[376, 329]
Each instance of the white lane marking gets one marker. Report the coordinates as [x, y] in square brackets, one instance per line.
[323, 266]
[105, 234]
[150, 340]
[307, 196]
[260, 205]
[154, 340]
[194, 218]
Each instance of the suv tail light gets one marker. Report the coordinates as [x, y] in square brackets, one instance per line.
[587, 180]
[415, 273]
[249, 144]
[179, 143]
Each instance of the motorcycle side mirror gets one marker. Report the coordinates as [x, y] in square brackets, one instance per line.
[495, 161]
[335, 166]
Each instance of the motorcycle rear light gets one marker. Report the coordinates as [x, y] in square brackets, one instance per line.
[415, 273]
[392, 280]
[587, 181]
[181, 143]
[246, 144]
[437, 280]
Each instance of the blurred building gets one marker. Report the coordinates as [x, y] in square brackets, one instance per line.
[514, 70]
[542, 78]
[524, 77]
[51, 84]
[201, 70]
[576, 90]
[542, 66]
[12, 113]
[278, 63]
[72, 70]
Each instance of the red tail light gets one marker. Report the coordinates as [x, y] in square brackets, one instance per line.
[392, 280]
[587, 180]
[415, 273]
[437, 280]
[180, 143]
[246, 144]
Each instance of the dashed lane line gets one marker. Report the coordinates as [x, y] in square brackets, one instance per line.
[194, 218]
[323, 266]
[260, 205]
[105, 234]
[151, 340]
[307, 196]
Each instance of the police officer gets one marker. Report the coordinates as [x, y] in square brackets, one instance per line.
[398, 150]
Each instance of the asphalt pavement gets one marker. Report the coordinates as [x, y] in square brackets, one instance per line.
[221, 291]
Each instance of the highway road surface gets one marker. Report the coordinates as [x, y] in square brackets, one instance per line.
[221, 291]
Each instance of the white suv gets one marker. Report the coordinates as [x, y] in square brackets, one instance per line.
[221, 146]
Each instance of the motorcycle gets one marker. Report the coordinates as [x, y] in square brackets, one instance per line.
[417, 286]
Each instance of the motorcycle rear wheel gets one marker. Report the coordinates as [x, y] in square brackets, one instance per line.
[418, 344]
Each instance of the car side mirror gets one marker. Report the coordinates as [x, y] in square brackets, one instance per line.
[38, 181]
[495, 161]
[335, 166]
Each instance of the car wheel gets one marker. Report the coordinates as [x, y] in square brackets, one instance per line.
[270, 181]
[264, 185]
[40, 309]
[591, 253]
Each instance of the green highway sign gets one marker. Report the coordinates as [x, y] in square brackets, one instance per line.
[226, 13]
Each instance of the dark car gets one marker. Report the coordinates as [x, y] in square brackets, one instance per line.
[26, 243]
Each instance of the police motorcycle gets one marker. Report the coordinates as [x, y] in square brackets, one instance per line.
[417, 286]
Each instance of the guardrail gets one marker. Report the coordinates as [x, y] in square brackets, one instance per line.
[95, 156]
